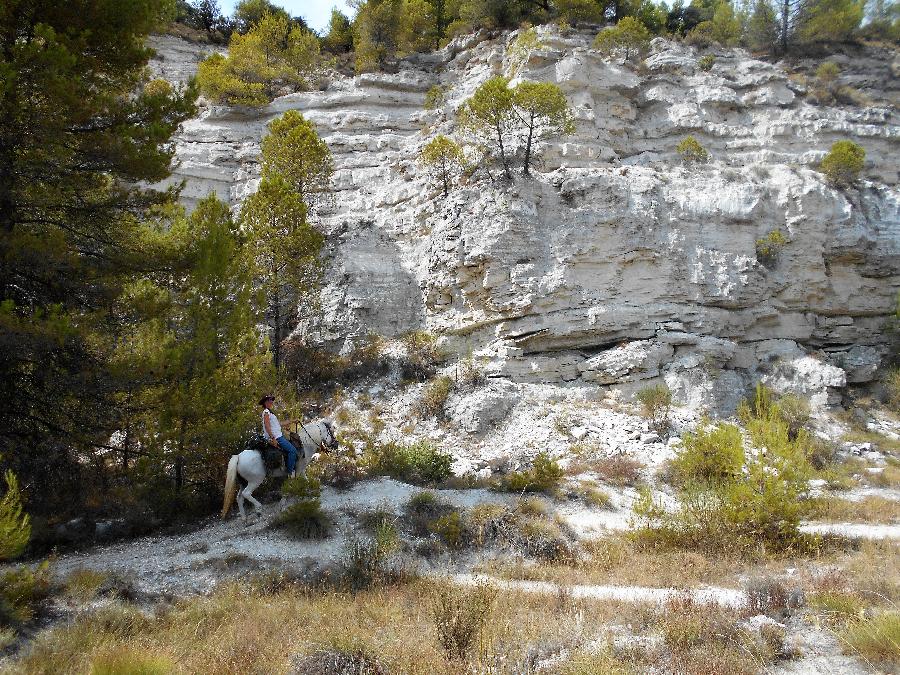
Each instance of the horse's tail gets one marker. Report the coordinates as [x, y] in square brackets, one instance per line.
[230, 491]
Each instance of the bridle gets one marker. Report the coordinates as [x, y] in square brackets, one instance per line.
[323, 446]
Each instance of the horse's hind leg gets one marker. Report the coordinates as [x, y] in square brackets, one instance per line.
[240, 503]
[248, 494]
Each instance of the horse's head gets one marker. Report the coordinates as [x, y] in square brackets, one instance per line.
[329, 437]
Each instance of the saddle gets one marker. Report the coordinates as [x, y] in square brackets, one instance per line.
[273, 458]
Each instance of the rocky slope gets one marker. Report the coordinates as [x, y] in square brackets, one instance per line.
[613, 266]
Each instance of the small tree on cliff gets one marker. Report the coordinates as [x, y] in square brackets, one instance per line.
[542, 110]
[444, 160]
[294, 152]
[691, 151]
[490, 116]
[843, 164]
[629, 35]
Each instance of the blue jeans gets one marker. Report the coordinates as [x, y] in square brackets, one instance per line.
[291, 451]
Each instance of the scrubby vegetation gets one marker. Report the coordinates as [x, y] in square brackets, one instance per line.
[768, 248]
[304, 519]
[629, 36]
[418, 463]
[544, 475]
[691, 152]
[444, 160]
[656, 403]
[732, 497]
[843, 164]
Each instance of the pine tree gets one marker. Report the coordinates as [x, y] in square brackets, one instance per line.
[81, 131]
[284, 249]
[199, 344]
[15, 526]
[629, 36]
[542, 110]
[339, 37]
[444, 160]
[273, 54]
[829, 20]
[762, 28]
[488, 114]
[293, 151]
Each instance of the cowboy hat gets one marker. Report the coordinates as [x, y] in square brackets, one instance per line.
[267, 397]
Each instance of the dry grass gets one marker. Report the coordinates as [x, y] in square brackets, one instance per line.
[617, 560]
[618, 470]
[236, 629]
[868, 510]
[83, 585]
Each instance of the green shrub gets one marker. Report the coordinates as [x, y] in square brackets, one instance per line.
[434, 396]
[769, 247]
[304, 519]
[794, 411]
[434, 98]
[656, 402]
[418, 463]
[21, 588]
[843, 164]
[449, 528]
[15, 525]
[460, 615]
[731, 499]
[422, 355]
[691, 152]
[543, 476]
[302, 487]
[827, 72]
[706, 62]
[711, 455]
[629, 36]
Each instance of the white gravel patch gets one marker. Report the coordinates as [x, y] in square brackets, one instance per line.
[712, 595]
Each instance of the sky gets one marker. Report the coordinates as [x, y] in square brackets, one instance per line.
[315, 12]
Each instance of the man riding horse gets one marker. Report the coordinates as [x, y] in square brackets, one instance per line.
[272, 433]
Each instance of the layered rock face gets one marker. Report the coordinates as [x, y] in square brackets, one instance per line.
[613, 265]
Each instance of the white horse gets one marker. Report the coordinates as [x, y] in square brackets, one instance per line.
[250, 467]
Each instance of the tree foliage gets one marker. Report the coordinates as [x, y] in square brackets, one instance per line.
[444, 161]
[829, 20]
[81, 134]
[249, 13]
[283, 247]
[843, 163]
[293, 151]
[198, 350]
[542, 111]
[724, 28]
[273, 54]
[339, 36]
[15, 526]
[489, 115]
[629, 36]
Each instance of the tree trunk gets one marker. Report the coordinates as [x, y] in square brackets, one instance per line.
[502, 151]
[528, 144]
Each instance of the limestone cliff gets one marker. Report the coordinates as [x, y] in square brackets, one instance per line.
[613, 265]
